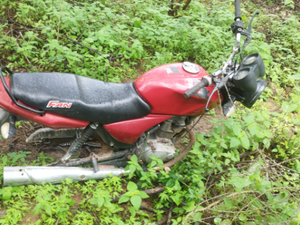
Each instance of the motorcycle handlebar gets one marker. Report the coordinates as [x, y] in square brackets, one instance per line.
[237, 5]
[206, 81]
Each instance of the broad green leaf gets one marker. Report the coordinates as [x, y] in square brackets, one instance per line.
[6, 195]
[227, 161]
[100, 202]
[177, 198]
[234, 142]
[131, 186]
[132, 211]
[37, 208]
[97, 201]
[227, 222]
[48, 210]
[12, 154]
[143, 195]
[239, 183]
[132, 168]
[133, 158]
[4, 160]
[124, 198]
[295, 77]
[236, 130]
[245, 142]
[197, 216]
[253, 129]
[170, 183]
[217, 220]
[288, 107]
[177, 186]
[228, 203]
[242, 217]
[71, 202]
[136, 201]
[190, 206]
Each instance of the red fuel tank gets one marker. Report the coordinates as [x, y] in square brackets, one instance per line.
[163, 87]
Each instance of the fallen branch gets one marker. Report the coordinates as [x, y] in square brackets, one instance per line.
[154, 190]
[146, 208]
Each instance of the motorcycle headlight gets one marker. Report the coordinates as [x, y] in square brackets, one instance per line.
[250, 69]
[249, 98]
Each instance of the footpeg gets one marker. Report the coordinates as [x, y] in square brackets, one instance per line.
[95, 165]
[8, 129]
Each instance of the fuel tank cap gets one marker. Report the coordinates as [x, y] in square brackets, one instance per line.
[191, 67]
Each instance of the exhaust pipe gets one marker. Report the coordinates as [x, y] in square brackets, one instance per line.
[17, 176]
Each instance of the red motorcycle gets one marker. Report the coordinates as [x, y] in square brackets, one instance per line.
[141, 118]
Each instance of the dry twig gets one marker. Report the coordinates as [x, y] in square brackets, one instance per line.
[170, 215]
[57, 221]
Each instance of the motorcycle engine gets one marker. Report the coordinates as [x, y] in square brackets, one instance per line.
[159, 143]
[159, 147]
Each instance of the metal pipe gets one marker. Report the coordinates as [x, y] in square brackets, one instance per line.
[17, 176]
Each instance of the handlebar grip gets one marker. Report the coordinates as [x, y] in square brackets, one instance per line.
[237, 5]
[203, 83]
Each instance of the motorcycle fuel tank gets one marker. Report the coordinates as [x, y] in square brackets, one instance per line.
[163, 87]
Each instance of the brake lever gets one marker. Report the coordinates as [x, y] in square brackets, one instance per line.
[212, 93]
[249, 30]
[247, 33]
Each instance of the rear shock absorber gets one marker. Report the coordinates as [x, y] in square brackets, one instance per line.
[78, 143]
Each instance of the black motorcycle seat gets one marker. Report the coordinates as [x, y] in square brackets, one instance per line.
[79, 97]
